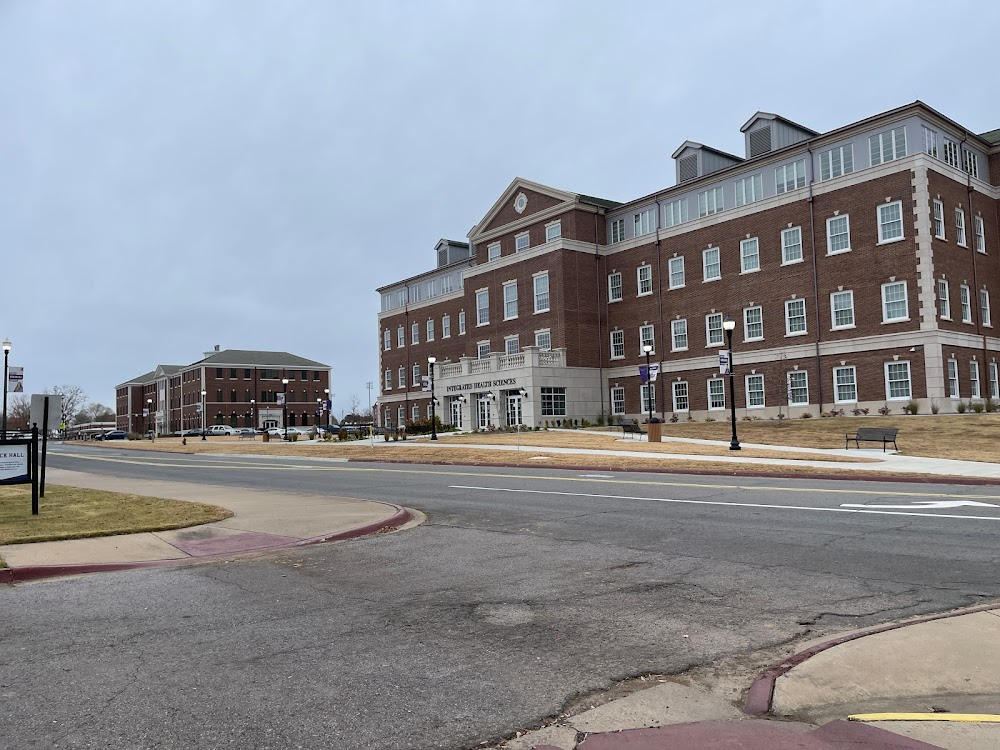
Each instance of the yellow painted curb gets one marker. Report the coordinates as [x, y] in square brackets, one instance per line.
[968, 718]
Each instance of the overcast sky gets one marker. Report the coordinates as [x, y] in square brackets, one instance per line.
[182, 173]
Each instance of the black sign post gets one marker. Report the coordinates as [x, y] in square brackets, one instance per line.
[34, 470]
[12, 473]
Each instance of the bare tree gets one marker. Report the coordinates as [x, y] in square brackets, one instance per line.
[73, 399]
[94, 412]
[18, 412]
[355, 403]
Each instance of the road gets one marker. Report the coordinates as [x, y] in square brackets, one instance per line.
[523, 590]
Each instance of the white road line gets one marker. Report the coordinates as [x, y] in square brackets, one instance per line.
[738, 505]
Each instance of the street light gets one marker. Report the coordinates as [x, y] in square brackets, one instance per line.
[203, 394]
[149, 415]
[284, 405]
[319, 414]
[253, 414]
[647, 350]
[434, 434]
[729, 325]
[329, 405]
[6, 354]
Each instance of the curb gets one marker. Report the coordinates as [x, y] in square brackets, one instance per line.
[39, 572]
[761, 692]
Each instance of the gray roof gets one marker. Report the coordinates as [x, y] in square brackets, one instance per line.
[249, 358]
[600, 202]
[141, 380]
[993, 136]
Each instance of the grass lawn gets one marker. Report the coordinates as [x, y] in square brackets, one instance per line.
[72, 513]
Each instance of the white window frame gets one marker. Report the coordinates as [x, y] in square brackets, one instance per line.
[386, 340]
[678, 333]
[522, 242]
[510, 300]
[937, 219]
[639, 280]
[949, 152]
[833, 310]
[675, 212]
[482, 307]
[891, 145]
[954, 386]
[711, 201]
[705, 264]
[647, 397]
[905, 301]
[401, 376]
[675, 267]
[401, 415]
[709, 329]
[944, 300]
[681, 396]
[787, 235]
[415, 333]
[749, 189]
[970, 162]
[615, 285]
[617, 399]
[746, 257]
[883, 237]
[793, 389]
[415, 374]
[430, 329]
[984, 308]
[853, 384]
[515, 340]
[714, 403]
[644, 222]
[748, 313]
[387, 384]
[618, 344]
[647, 335]
[979, 229]
[930, 142]
[976, 390]
[828, 170]
[994, 375]
[461, 322]
[400, 337]
[542, 334]
[965, 299]
[446, 326]
[888, 382]
[483, 349]
[415, 412]
[796, 170]
[492, 251]
[846, 218]
[553, 231]
[617, 230]
[751, 394]
[541, 297]
[798, 301]
[960, 238]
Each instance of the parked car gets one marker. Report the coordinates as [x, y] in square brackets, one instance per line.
[192, 433]
[221, 429]
[246, 432]
[280, 431]
[115, 435]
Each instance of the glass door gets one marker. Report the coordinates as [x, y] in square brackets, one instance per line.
[513, 410]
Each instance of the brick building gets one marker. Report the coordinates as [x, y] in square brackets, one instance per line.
[859, 266]
[241, 389]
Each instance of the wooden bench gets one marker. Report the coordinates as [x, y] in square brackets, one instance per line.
[884, 435]
[631, 429]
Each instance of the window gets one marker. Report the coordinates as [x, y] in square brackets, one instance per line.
[791, 245]
[953, 379]
[415, 333]
[984, 307]
[386, 340]
[509, 301]
[894, 303]
[522, 242]
[387, 387]
[400, 337]
[676, 267]
[753, 324]
[966, 301]
[401, 377]
[790, 176]
[483, 307]
[712, 267]
[795, 317]
[842, 309]
[511, 345]
[430, 330]
[838, 234]
[974, 378]
[401, 415]
[617, 400]
[798, 388]
[755, 391]
[680, 389]
[678, 335]
[710, 202]
[644, 279]
[493, 251]
[944, 302]
[643, 222]
[416, 374]
[218, 372]
[647, 396]
[646, 338]
[716, 394]
[615, 287]
[951, 152]
[888, 145]
[938, 212]
[713, 329]
[482, 350]
[618, 344]
[970, 162]
[994, 381]
[617, 230]
[543, 340]
[415, 412]
[836, 162]
[553, 231]
[897, 381]
[890, 222]
[845, 384]
[749, 255]
[749, 189]
[930, 142]
[675, 212]
[553, 402]
[980, 234]
[446, 326]
[541, 281]
[960, 227]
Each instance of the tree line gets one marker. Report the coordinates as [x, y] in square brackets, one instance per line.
[76, 408]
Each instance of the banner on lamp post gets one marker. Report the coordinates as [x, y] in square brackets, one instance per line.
[15, 380]
[654, 370]
[725, 362]
[425, 382]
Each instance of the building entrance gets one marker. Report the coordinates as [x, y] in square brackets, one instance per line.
[514, 409]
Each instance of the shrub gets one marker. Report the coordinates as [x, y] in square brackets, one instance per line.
[342, 435]
[961, 407]
[934, 408]
[977, 407]
[911, 408]
[673, 418]
[585, 423]
[781, 416]
[709, 419]
[859, 412]
[805, 415]
[991, 405]
[600, 422]
[747, 418]
[884, 410]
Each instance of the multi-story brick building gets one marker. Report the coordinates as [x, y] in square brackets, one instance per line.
[232, 387]
[859, 266]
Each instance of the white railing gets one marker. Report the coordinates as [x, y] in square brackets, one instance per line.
[511, 361]
[481, 365]
[448, 371]
[551, 359]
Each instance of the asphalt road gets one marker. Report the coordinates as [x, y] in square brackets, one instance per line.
[524, 589]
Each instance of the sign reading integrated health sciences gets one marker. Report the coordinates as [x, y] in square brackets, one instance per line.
[15, 463]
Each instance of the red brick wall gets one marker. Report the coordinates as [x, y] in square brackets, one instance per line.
[507, 215]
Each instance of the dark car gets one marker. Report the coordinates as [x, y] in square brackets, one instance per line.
[116, 435]
[192, 433]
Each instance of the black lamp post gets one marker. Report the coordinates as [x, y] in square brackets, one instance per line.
[253, 414]
[149, 416]
[329, 406]
[729, 325]
[6, 354]
[203, 395]
[434, 434]
[649, 380]
[284, 405]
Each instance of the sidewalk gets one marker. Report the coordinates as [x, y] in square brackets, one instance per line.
[932, 682]
[261, 520]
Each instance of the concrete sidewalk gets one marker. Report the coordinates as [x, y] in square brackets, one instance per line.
[261, 520]
[932, 682]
